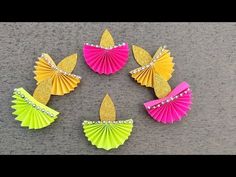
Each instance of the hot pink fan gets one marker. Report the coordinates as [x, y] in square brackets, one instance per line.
[106, 58]
[173, 107]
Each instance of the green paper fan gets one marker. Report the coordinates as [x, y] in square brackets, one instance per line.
[108, 134]
[30, 112]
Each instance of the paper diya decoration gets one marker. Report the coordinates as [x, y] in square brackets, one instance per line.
[161, 63]
[63, 81]
[106, 58]
[32, 111]
[108, 133]
[173, 107]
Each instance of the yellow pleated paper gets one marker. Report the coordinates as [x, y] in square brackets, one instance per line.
[48, 58]
[164, 65]
[62, 82]
[107, 40]
[144, 77]
[161, 86]
[161, 63]
[107, 109]
[42, 93]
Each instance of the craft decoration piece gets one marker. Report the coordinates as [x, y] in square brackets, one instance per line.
[62, 80]
[172, 107]
[108, 133]
[32, 112]
[161, 63]
[106, 58]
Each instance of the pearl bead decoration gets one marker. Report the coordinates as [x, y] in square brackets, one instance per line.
[98, 46]
[16, 91]
[169, 100]
[59, 70]
[108, 122]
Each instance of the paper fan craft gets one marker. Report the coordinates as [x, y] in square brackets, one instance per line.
[161, 63]
[32, 111]
[106, 58]
[108, 133]
[63, 81]
[173, 107]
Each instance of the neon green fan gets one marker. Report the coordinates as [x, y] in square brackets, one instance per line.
[108, 133]
[32, 112]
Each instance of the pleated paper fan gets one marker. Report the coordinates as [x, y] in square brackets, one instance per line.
[161, 63]
[106, 58]
[108, 133]
[63, 81]
[30, 112]
[173, 107]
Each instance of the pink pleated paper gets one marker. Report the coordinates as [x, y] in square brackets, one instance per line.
[173, 107]
[106, 61]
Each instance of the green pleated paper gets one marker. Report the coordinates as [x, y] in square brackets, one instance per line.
[30, 112]
[108, 134]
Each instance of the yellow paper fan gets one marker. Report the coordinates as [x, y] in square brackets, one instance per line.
[62, 80]
[161, 63]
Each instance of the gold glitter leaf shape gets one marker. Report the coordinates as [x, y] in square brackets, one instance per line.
[161, 86]
[68, 64]
[141, 56]
[107, 40]
[42, 93]
[107, 109]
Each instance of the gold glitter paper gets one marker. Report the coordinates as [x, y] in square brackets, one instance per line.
[42, 92]
[141, 56]
[107, 40]
[68, 64]
[107, 109]
[161, 86]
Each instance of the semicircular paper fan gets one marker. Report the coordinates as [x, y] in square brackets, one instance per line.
[172, 107]
[32, 111]
[106, 58]
[108, 133]
[161, 63]
[62, 80]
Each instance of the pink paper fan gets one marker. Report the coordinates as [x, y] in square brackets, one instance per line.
[173, 107]
[106, 60]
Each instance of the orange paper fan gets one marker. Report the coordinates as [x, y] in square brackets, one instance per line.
[62, 80]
